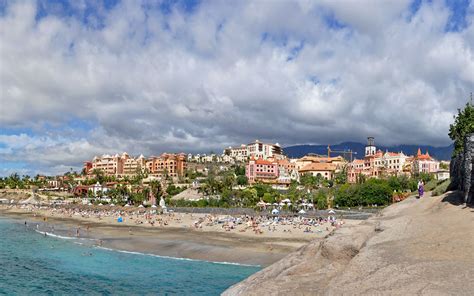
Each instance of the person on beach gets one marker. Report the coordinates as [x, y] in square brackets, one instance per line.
[421, 189]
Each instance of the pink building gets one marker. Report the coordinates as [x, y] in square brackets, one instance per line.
[262, 170]
[424, 163]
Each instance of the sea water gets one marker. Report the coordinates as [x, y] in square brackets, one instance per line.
[34, 264]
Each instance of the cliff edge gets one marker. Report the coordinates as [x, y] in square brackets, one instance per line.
[418, 246]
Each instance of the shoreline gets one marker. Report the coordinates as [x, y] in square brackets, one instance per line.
[210, 245]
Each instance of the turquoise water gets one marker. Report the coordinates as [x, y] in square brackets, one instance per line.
[31, 264]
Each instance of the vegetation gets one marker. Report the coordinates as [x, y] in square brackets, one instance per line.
[173, 190]
[15, 181]
[373, 191]
[441, 188]
[463, 125]
[444, 166]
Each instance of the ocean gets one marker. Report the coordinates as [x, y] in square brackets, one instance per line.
[32, 264]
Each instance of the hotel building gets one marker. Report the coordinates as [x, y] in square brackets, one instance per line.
[260, 170]
[424, 163]
[256, 150]
[377, 164]
[174, 165]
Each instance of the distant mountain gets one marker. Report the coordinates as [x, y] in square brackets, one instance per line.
[440, 153]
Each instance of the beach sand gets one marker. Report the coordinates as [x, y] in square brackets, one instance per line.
[179, 238]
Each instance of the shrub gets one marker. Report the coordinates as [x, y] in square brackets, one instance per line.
[347, 195]
[441, 188]
[431, 185]
[375, 191]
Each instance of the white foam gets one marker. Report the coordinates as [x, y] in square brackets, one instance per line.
[142, 254]
[175, 258]
[54, 235]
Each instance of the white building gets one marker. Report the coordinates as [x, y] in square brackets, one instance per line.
[442, 175]
[257, 150]
[98, 189]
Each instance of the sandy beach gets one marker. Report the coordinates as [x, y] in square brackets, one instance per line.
[181, 235]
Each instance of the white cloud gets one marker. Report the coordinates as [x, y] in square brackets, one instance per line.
[228, 73]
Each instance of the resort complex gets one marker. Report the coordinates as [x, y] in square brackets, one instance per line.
[266, 163]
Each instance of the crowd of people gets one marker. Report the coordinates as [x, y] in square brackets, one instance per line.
[145, 217]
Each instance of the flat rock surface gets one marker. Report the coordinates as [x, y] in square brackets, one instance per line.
[415, 247]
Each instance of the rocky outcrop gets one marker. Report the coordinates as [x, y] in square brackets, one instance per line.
[461, 170]
[415, 247]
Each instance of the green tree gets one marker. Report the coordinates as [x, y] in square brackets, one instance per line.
[239, 170]
[268, 197]
[249, 197]
[322, 200]
[242, 180]
[375, 191]
[347, 195]
[341, 177]
[99, 175]
[463, 125]
[444, 166]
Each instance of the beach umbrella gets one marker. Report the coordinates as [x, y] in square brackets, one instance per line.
[140, 206]
[112, 205]
[153, 206]
[127, 205]
[100, 204]
[302, 212]
[331, 212]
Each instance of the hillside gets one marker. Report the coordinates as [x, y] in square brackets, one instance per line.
[421, 247]
[440, 153]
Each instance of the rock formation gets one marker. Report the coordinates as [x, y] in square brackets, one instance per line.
[414, 247]
[462, 173]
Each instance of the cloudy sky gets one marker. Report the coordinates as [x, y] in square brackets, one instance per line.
[80, 78]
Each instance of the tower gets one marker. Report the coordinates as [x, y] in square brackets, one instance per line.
[370, 148]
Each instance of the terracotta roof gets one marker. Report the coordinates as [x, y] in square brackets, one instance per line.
[421, 156]
[261, 161]
[317, 166]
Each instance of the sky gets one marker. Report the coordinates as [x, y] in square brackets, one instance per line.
[85, 78]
